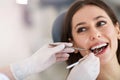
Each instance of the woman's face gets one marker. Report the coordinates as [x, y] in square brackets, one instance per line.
[93, 29]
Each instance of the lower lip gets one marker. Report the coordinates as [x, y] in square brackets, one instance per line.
[102, 52]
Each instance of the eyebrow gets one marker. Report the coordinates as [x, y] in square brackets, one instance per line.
[98, 17]
[82, 23]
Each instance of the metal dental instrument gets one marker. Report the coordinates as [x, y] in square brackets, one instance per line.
[53, 45]
[74, 64]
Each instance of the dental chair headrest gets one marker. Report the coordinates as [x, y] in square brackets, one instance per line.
[57, 27]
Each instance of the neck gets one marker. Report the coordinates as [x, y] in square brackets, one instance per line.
[110, 70]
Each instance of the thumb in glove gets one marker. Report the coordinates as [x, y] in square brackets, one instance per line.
[87, 69]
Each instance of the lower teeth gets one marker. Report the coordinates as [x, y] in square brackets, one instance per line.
[98, 51]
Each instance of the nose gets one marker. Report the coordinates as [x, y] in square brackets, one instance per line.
[95, 34]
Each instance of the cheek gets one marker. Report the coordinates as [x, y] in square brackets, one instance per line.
[110, 30]
[111, 35]
[80, 42]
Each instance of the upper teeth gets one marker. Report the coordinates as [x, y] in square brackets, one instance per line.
[98, 46]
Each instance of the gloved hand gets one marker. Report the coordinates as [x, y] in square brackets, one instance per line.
[42, 59]
[87, 69]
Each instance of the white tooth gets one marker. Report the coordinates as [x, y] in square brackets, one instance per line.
[98, 46]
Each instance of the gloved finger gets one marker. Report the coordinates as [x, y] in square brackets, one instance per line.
[90, 56]
[90, 59]
[93, 62]
[96, 62]
[57, 49]
[61, 55]
[58, 43]
[87, 58]
[61, 59]
[68, 50]
[61, 48]
[95, 68]
[96, 65]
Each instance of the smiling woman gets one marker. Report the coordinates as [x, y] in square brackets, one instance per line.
[92, 25]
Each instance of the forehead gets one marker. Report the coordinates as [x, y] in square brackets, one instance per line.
[89, 12]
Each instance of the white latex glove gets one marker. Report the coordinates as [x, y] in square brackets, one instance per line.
[87, 69]
[42, 59]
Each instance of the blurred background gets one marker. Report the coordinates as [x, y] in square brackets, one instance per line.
[24, 28]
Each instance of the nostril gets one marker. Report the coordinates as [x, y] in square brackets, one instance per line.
[95, 36]
[92, 38]
[98, 35]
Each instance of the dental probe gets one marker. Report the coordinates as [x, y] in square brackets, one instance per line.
[74, 64]
[53, 45]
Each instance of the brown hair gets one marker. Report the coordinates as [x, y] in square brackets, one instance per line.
[66, 30]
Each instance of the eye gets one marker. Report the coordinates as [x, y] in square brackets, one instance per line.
[81, 29]
[101, 23]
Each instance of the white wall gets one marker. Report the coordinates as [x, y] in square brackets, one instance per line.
[18, 41]
[13, 46]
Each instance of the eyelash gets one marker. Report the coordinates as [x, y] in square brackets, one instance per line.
[98, 24]
[81, 29]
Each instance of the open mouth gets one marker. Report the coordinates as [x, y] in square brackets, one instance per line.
[99, 49]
